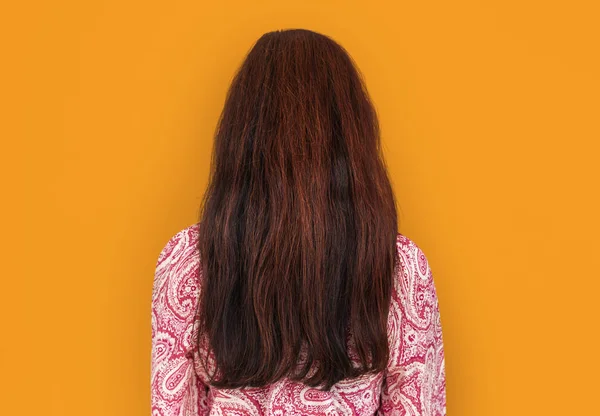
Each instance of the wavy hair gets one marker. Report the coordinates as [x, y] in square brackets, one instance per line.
[298, 225]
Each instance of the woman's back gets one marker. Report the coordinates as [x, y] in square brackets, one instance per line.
[413, 382]
[294, 293]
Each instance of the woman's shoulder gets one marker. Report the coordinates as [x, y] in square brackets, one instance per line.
[182, 244]
[177, 270]
[174, 306]
[414, 273]
[412, 258]
[414, 298]
[406, 244]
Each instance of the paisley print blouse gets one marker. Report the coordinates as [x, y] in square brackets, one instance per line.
[414, 382]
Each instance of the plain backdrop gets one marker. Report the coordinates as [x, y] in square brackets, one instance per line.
[490, 124]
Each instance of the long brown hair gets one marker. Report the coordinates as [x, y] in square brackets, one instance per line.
[298, 226]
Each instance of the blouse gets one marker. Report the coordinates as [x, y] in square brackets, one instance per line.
[413, 383]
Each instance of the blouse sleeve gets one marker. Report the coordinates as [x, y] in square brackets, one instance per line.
[176, 389]
[414, 381]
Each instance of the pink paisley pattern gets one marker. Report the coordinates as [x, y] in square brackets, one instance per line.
[414, 383]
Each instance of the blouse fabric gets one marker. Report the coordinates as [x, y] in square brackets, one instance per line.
[414, 382]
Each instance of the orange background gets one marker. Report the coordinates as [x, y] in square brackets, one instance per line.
[490, 119]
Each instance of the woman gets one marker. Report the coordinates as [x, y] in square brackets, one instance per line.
[294, 294]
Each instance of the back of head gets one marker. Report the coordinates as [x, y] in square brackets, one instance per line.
[298, 224]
